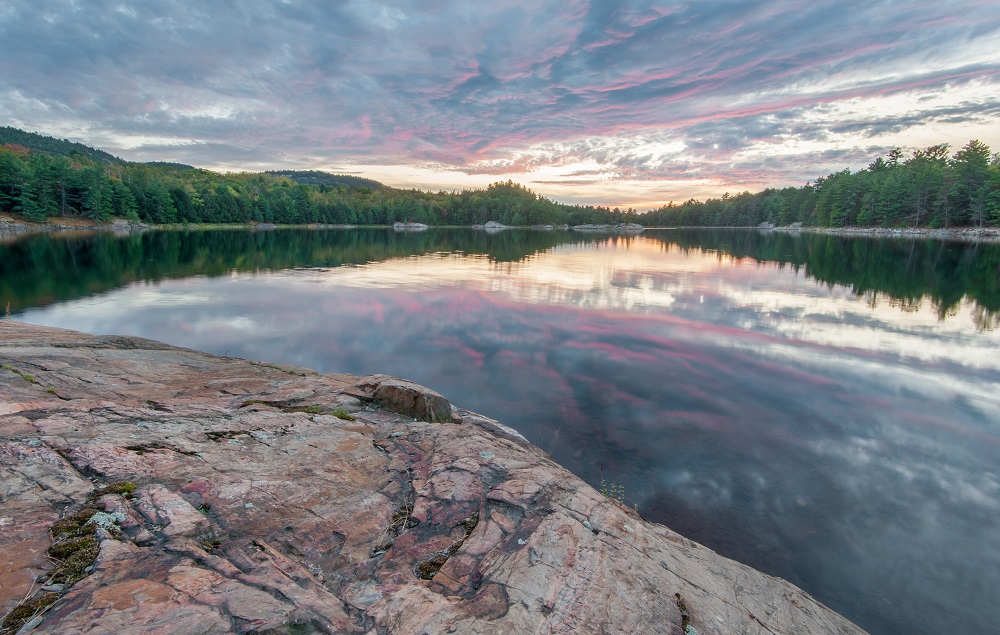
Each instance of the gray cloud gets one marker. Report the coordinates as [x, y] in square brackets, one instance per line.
[444, 83]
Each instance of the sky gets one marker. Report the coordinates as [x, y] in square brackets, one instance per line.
[631, 103]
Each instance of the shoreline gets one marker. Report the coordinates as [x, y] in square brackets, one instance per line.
[953, 233]
[966, 234]
[13, 227]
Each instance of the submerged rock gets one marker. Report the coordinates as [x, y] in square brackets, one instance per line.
[258, 507]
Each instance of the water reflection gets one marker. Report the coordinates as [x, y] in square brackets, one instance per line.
[840, 442]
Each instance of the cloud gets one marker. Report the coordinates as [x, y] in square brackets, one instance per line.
[509, 88]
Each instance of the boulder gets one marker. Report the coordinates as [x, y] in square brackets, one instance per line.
[621, 228]
[409, 227]
[406, 398]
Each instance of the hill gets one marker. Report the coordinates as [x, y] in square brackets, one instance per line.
[315, 178]
[51, 145]
[169, 164]
[43, 177]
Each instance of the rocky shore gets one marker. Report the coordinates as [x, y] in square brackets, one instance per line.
[154, 489]
[621, 228]
[410, 227]
[954, 233]
[121, 226]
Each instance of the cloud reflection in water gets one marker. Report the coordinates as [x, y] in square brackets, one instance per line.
[850, 449]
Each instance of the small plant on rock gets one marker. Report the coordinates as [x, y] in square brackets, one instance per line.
[26, 611]
[122, 488]
[340, 413]
[613, 491]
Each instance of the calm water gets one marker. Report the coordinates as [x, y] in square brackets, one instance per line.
[824, 409]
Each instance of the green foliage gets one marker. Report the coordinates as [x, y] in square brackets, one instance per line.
[49, 178]
[123, 488]
[50, 145]
[41, 177]
[74, 545]
[25, 611]
[325, 180]
[169, 164]
[28, 377]
[613, 491]
[73, 552]
[928, 189]
[340, 413]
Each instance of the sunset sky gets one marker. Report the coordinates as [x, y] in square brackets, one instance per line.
[629, 103]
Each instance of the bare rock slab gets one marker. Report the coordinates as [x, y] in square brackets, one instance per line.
[267, 500]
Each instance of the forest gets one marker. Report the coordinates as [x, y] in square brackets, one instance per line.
[43, 177]
[927, 189]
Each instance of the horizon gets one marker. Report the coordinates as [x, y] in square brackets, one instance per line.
[631, 104]
[280, 171]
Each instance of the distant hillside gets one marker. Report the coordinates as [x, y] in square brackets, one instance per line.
[315, 178]
[60, 178]
[64, 147]
[51, 145]
[169, 164]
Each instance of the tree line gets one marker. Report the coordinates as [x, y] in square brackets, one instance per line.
[42, 177]
[62, 180]
[927, 189]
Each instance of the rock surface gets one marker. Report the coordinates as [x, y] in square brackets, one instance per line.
[271, 499]
[410, 227]
[620, 228]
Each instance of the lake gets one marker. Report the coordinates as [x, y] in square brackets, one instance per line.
[825, 409]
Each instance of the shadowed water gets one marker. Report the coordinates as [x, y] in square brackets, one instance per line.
[825, 409]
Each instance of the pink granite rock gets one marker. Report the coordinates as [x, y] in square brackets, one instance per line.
[258, 510]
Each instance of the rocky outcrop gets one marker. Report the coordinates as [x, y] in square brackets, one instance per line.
[118, 226]
[410, 227]
[968, 234]
[153, 489]
[492, 227]
[621, 228]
